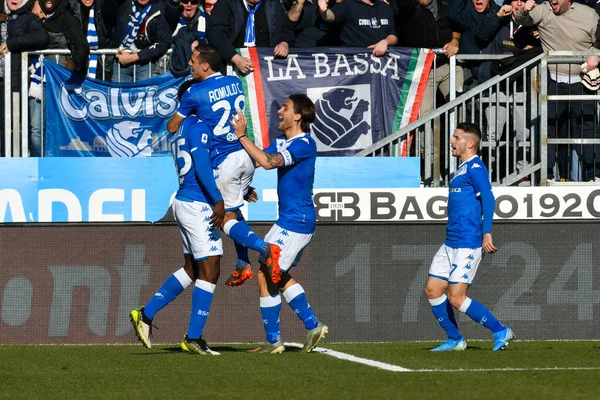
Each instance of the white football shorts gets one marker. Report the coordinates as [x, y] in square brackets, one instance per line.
[233, 177]
[455, 265]
[292, 246]
[199, 238]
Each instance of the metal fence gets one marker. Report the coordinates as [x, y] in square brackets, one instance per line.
[513, 112]
[16, 111]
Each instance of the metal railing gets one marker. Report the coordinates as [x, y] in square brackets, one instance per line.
[564, 57]
[510, 155]
[16, 122]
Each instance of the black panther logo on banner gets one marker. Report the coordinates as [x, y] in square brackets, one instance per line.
[332, 126]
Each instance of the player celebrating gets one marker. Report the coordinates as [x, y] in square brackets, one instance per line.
[199, 210]
[214, 98]
[294, 155]
[455, 264]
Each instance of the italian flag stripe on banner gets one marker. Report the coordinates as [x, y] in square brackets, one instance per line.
[411, 97]
[255, 112]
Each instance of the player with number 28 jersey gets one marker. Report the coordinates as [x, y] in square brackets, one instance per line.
[215, 100]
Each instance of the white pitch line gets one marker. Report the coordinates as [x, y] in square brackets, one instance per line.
[507, 369]
[398, 368]
[350, 357]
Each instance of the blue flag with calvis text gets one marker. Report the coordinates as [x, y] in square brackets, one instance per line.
[94, 118]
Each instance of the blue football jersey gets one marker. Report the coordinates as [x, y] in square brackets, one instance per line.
[469, 186]
[295, 182]
[215, 100]
[191, 147]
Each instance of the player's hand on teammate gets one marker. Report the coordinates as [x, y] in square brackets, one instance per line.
[216, 219]
[251, 196]
[239, 123]
[487, 244]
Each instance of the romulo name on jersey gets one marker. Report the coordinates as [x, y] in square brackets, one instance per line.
[225, 91]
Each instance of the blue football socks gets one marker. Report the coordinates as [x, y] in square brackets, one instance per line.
[296, 298]
[201, 301]
[241, 233]
[269, 309]
[170, 289]
[440, 307]
[480, 314]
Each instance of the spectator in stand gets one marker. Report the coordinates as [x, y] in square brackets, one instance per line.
[21, 31]
[364, 23]
[505, 36]
[425, 23]
[62, 27]
[566, 26]
[470, 14]
[309, 28]
[248, 23]
[63, 33]
[142, 36]
[190, 30]
[97, 20]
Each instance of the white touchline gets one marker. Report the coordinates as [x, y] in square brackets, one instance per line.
[350, 357]
[508, 369]
[397, 368]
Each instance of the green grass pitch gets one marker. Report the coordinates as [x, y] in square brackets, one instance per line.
[525, 370]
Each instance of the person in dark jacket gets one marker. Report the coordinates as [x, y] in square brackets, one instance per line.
[63, 33]
[252, 23]
[142, 36]
[63, 29]
[470, 14]
[24, 32]
[425, 24]
[308, 27]
[190, 23]
[98, 19]
[368, 23]
[503, 35]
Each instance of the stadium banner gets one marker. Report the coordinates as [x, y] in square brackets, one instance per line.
[359, 98]
[95, 118]
[57, 189]
[77, 283]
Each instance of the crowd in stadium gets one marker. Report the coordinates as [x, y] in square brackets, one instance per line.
[143, 31]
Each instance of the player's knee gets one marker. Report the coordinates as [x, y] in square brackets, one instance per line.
[456, 299]
[229, 216]
[433, 291]
[285, 280]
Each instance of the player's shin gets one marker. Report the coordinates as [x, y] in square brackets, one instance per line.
[480, 314]
[296, 298]
[201, 301]
[170, 289]
[439, 307]
[242, 234]
[269, 308]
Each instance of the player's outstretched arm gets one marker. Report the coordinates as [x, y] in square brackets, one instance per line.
[267, 161]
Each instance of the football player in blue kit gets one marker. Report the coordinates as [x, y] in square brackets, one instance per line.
[468, 235]
[199, 209]
[293, 154]
[214, 98]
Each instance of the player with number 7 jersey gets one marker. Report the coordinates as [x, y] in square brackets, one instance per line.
[214, 98]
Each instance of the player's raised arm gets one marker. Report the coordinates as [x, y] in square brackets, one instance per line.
[267, 161]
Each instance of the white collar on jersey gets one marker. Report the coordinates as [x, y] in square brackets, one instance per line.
[464, 162]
